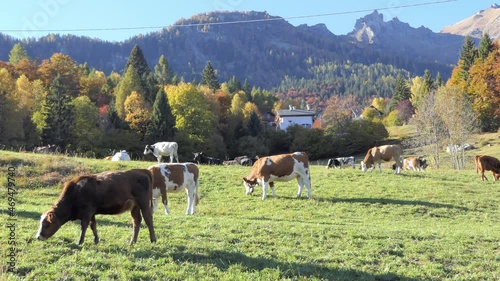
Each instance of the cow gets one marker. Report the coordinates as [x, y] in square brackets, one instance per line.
[51, 148]
[378, 153]
[121, 156]
[200, 158]
[175, 177]
[341, 161]
[414, 163]
[283, 167]
[487, 163]
[245, 160]
[160, 149]
[106, 193]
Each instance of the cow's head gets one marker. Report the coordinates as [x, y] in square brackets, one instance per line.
[148, 149]
[423, 164]
[249, 185]
[49, 224]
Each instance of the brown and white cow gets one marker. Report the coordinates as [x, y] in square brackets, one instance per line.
[283, 167]
[175, 177]
[487, 163]
[414, 163]
[385, 152]
[105, 193]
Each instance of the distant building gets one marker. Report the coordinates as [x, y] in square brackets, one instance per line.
[292, 116]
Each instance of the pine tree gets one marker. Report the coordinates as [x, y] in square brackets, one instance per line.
[146, 76]
[234, 85]
[439, 81]
[17, 53]
[162, 125]
[210, 78]
[254, 125]
[467, 57]
[428, 82]
[58, 114]
[163, 74]
[401, 92]
[485, 47]
[247, 89]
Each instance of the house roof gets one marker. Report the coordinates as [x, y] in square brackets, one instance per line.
[295, 112]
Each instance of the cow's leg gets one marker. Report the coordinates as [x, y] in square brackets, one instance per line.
[93, 226]
[483, 176]
[271, 184]
[148, 218]
[171, 158]
[264, 189]
[136, 222]
[300, 182]
[176, 157]
[190, 200]
[85, 225]
[159, 159]
[164, 200]
[380, 166]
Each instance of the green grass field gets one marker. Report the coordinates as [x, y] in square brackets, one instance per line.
[433, 225]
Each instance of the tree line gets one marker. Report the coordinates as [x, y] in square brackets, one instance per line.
[87, 112]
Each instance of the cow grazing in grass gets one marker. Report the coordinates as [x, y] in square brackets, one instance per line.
[283, 167]
[341, 161]
[160, 149]
[121, 156]
[487, 163]
[175, 177]
[378, 153]
[414, 164]
[106, 193]
[200, 158]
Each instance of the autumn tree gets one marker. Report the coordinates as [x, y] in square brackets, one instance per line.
[162, 125]
[58, 115]
[130, 83]
[10, 116]
[210, 77]
[17, 53]
[93, 85]
[63, 66]
[339, 112]
[85, 131]
[138, 113]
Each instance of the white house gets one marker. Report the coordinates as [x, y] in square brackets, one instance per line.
[292, 116]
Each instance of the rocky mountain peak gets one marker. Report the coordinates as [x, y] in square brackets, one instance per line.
[484, 21]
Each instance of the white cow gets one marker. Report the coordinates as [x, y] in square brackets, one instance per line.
[283, 167]
[160, 149]
[121, 156]
[175, 177]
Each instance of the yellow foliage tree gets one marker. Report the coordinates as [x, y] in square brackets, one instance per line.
[248, 109]
[138, 113]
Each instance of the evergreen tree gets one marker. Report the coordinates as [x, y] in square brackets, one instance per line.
[210, 78]
[17, 53]
[162, 125]
[468, 54]
[146, 76]
[439, 81]
[163, 74]
[247, 89]
[428, 82]
[254, 125]
[234, 85]
[58, 113]
[130, 82]
[401, 92]
[485, 47]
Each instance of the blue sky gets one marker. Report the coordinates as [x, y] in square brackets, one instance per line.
[25, 18]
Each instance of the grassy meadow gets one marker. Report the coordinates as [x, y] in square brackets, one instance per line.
[433, 225]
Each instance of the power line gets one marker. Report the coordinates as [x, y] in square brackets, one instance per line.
[230, 22]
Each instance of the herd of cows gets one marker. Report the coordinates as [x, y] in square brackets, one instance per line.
[138, 190]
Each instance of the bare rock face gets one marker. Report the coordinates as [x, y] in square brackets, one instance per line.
[484, 21]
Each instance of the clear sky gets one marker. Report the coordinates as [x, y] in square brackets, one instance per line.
[22, 19]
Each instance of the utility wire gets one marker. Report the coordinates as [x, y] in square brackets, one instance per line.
[230, 22]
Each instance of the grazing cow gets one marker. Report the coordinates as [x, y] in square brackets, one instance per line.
[487, 163]
[105, 193]
[283, 167]
[341, 161]
[245, 160]
[200, 158]
[121, 156]
[51, 148]
[414, 163]
[160, 149]
[174, 177]
[378, 153]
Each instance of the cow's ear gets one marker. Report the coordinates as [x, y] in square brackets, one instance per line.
[245, 179]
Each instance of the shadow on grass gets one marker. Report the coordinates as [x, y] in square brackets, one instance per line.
[385, 201]
[223, 260]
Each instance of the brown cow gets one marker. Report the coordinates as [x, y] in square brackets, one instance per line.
[487, 163]
[282, 167]
[104, 193]
[174, 177]
[415, 164]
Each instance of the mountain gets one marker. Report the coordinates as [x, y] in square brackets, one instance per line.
[264, 49]
[483, 21]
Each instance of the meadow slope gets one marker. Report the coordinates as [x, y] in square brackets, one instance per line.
[433, 225]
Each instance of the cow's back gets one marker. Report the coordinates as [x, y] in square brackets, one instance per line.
[280, 165]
